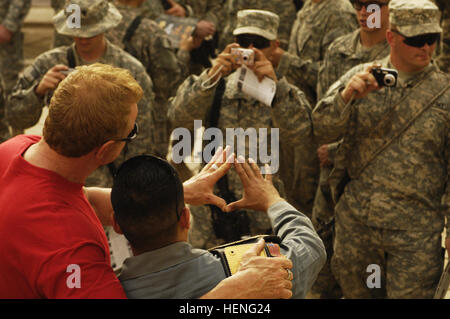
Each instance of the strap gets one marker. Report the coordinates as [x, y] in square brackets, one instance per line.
[398, 133]
[131, 29]
[70, 58]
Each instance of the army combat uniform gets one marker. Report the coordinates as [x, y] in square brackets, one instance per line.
[444, 58]
[12, 14]
[343, 54]
[389, 213]
[4, 130]
[290, 112]
[25, 107]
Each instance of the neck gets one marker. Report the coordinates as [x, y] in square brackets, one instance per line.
[131, 3]
[93, 55]
[370, 39]
[401, 66]
[75, 170]
[181, 236]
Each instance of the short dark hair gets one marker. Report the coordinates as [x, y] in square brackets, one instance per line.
[147, 198]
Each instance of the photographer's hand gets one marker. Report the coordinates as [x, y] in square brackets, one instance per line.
[224, 62]
[360, 85]
[51, 80]
[259, 192]
[262, 67]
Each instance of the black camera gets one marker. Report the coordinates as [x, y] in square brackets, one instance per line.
[385, 77]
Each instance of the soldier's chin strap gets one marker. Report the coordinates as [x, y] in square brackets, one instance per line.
[205, 85]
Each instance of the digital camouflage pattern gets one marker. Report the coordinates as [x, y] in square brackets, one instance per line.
[151, 46]
[401, 189]
[410, 22]
[25, 107]
[316, 27]
[343, 54]
[444, 58]
[284, 9]
[12, 14]
[259, 22]
[290, 112]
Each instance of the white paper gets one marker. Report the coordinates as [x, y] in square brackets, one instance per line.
[263, 91]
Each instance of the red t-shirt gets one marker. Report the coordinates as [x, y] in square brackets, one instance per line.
[52, 244]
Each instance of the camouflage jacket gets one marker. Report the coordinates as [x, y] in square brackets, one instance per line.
[316, 27]
[24, 107]
[402, 187]
[444, 58]
[4, 131]
[343, 54]
[13, 12]
[285, 9]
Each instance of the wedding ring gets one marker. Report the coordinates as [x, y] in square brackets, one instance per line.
[214, 166]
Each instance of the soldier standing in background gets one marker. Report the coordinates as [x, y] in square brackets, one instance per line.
[290, 112]
[12, 14]
[361, 46]
[4, 130]
[443, 60]
[393, 164]
[38, 81]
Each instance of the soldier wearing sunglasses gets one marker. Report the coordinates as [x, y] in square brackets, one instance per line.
[390, 181]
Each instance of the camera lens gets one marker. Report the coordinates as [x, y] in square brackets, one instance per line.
[389, 80]
[245, 57]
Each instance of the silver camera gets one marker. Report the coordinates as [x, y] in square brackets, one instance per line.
[243, 56]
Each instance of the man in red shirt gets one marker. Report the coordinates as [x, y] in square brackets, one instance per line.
[51, 239]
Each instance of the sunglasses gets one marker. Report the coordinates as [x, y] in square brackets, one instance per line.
[245, 40]
[133, 134]
[358, 5]
[420, 40]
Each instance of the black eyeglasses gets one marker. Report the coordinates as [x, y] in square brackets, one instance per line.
[358, 5]
[420, 40]
[245, 40]
[133, 134]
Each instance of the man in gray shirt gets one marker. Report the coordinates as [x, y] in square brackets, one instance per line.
[149, 210]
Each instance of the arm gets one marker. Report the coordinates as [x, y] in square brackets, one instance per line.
[300, 242]
[100, 200]
[17, 11]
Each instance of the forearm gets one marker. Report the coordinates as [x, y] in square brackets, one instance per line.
[191, 102]
[18, 9]
[100, 200]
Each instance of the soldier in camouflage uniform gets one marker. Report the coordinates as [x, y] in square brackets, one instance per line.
[391, 170]
[290, 112]
[360, 46]
[40, 79]
[12, 14]
[286, 10]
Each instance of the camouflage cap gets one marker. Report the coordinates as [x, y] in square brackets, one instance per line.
[413, 18]
[96, 17]
[259, 22]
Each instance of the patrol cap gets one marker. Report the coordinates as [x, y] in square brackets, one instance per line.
[413, 18]
[96, 17]
[259, 22]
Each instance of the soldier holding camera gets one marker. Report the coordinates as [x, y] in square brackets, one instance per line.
[223, 105]
[390, 181]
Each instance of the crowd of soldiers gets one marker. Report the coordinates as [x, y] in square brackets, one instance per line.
[314, 48]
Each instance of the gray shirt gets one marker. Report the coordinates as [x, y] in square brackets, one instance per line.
[178, 271]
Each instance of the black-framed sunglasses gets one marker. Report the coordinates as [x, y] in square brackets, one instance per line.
[420, 40]
[358, 5]
[133, 134]
[245, 40]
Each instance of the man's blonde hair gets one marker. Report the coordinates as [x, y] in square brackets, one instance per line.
[90, 107]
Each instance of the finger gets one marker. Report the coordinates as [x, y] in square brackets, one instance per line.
[241, 173]
[237, 205]
[255, 168]
[59, 67]
[256, 249]
[217, 154]
[371, 67]
[268, 171]
[247, 168]
[282, 262]
[229, 47]
[212, 199]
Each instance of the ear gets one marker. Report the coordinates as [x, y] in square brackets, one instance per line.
[389, 37]
[107, 152]
[185, 218]
[275, 44]
[116, 226]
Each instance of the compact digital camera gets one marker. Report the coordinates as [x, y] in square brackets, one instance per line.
[385, 77]
[243, 56]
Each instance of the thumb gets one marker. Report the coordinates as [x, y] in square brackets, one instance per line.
[256, 249]
[235, 206]
[216, 201]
